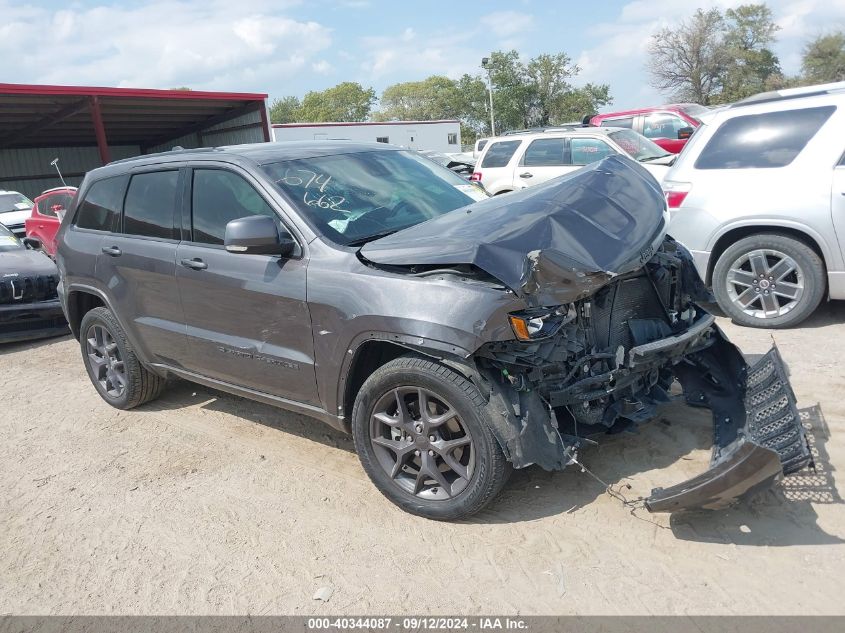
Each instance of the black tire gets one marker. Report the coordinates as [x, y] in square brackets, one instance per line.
[490, 470]
[809, 272]
[140, 384]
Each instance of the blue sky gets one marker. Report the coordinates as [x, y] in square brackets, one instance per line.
[286, 47]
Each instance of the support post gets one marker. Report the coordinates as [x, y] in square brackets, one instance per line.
[100, 131]
[265, 124]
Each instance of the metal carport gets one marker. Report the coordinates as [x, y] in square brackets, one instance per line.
[85, 127]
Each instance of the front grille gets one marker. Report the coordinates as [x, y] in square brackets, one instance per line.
[31, 322]
[23, 289]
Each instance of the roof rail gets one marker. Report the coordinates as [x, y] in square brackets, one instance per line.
[791, 93]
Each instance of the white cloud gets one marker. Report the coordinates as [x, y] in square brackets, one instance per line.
[322, 67]
[200, 44]
[507, 23]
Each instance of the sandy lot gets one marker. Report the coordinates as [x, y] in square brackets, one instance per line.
[203, 503]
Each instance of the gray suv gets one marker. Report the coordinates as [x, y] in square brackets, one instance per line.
[455, 336]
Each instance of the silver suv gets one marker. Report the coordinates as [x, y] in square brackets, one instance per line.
[758, 196]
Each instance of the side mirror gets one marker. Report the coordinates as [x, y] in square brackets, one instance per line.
[32, 243]
[685, 132]
[258, 235]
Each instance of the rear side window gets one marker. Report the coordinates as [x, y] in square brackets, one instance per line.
[151, 204]
[762, 140]
[53, 204]
[102, 203]
[544, 152]
[499, 154]
[589, 150]
[627, 122]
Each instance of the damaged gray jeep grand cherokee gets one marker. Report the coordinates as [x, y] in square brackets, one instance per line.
[455, 336]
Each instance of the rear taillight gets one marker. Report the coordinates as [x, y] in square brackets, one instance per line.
[676, 193]
[476, 176]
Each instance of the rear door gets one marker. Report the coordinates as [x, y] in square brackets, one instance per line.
[247, 318]
[542, 159]
[46, 219]
[137, 264]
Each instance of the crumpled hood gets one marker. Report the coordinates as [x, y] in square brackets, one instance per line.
[552, 243]
[25, 263]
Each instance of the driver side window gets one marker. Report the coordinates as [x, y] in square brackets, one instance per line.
[218, 197]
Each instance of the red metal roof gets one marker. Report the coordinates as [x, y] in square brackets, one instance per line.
[99, 91]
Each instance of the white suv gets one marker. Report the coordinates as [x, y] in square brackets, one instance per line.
[15, 208]
[758, 196]
[513, 162]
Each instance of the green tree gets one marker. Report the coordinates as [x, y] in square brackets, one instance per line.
[715, 58]
[752, 66]
[433, 98]
[824, 59]
[285, 110]
[347, 101]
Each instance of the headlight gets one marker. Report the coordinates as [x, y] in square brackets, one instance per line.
[538, 323]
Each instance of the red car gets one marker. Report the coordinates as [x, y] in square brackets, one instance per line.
[669, 126]
[47, 214]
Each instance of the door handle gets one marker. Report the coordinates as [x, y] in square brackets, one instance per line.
[195, 264]
[114, 251]
[527, 174]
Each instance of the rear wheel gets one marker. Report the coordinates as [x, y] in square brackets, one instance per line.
[769, 280]
[114, 369]
[420, 433]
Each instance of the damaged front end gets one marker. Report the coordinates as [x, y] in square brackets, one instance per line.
[605, 363]
[610, 319]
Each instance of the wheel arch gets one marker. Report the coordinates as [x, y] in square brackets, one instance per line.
[80, 301]
[373, 353]
[733, 235]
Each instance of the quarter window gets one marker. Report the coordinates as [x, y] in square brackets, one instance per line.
[151, 204]
[218, 197]
[544, 152]
[52, 205]
[589, 150]
[102, 203]
[766, 140]
[499, 154]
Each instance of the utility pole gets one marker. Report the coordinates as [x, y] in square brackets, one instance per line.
[485, 63]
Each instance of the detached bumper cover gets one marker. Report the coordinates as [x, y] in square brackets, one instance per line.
[758, 432]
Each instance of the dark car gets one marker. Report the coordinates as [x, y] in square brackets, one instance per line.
[362, 285]
[29, 303]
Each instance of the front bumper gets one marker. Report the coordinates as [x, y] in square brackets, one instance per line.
[22, 322]
[758, 436]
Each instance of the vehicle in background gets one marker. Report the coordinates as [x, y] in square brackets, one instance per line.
[47, 212]
[758, 196]
[510, 163]
[462, 164]
[29, 303]
[669, 126]
[15, 208]
[479, 146]
[363, 285]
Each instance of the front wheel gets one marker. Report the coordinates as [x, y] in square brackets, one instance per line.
[420, 432]
[769, 280]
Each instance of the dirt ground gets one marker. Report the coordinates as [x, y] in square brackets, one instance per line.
[203, 503]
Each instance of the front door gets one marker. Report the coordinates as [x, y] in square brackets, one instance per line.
[247, 319]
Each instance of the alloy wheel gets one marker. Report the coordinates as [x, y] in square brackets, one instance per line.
[765, 283]
[105, 362]
[422, 443]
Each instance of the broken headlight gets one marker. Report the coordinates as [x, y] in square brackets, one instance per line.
[539, 323]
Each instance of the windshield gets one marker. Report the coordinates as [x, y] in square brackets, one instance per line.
[637, 146]
[8, 242]
[352, 198]
[14, 202]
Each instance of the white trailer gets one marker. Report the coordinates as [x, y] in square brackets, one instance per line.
[440, 136]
